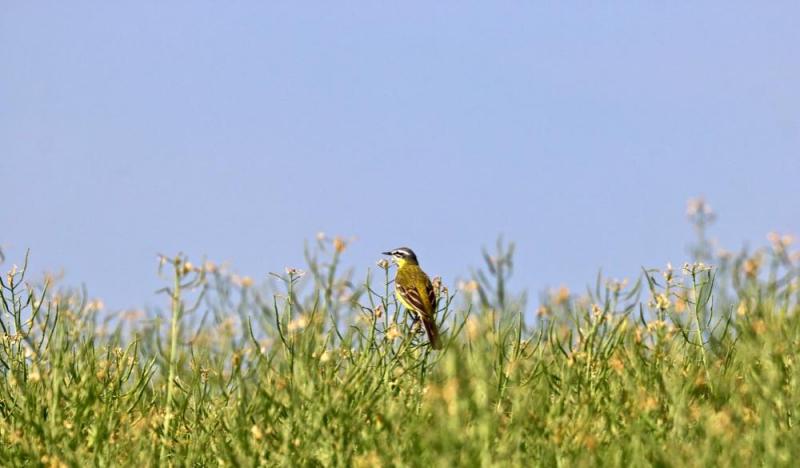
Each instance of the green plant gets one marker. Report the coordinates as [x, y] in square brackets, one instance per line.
[319, 369]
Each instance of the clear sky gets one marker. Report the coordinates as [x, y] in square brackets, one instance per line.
[238, 129]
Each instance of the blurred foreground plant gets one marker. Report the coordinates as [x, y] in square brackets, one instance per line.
[692, 366]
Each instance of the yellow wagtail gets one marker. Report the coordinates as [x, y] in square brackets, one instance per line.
[414, 290]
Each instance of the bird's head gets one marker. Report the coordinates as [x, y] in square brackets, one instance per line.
[403, 256]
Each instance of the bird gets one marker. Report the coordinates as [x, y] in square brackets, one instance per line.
[414, 290]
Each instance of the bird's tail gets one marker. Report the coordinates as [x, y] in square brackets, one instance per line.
[433, 332]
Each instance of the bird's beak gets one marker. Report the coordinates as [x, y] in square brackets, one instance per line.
[386, 253]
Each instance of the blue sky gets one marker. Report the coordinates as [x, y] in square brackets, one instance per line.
[237, 131]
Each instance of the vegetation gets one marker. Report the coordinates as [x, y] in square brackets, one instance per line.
[693, 366]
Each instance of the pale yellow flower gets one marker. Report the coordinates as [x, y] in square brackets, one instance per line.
[561, 296]
[752, 265]
[616, 286]
[295, 272]
[719, 423]
[473, 328]
[393, 332]
[325, 356]
[698, 206]
[661, 301]
[543, 311]
[468, 286]
[741, 311]
[300, 322]
[11, 274]
[256, 433]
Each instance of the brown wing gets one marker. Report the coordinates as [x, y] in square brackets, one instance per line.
[431, 297]
[412, 299]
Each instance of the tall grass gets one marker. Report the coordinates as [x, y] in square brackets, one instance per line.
[687, 366]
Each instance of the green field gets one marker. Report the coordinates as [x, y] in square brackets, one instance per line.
[687, 367]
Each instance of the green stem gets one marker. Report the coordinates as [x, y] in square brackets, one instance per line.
[700, 331]
[173, 351]
[57, 362]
